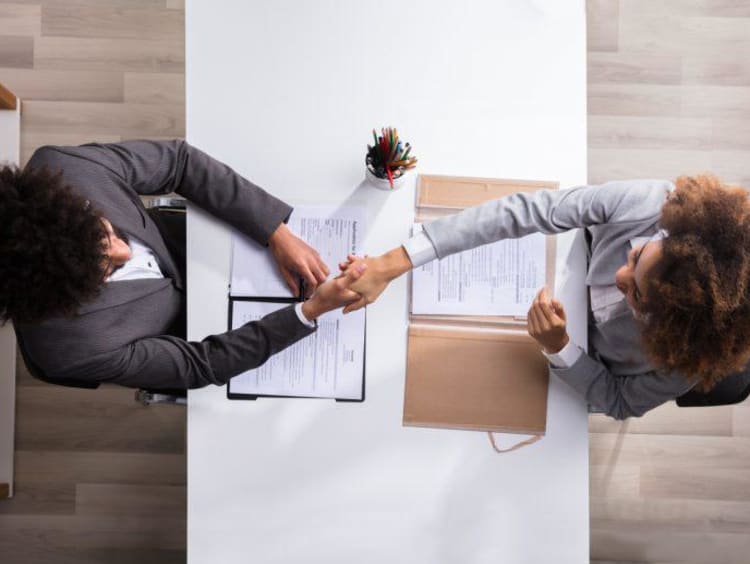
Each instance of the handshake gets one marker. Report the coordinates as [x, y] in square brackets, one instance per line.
[361, 281]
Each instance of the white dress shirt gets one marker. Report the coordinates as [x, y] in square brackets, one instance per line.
[143, 264]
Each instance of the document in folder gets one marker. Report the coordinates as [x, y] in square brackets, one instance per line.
[500, 278]
[333, 232]
[470, 361]
[328, 363]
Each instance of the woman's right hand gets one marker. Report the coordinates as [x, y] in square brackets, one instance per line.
[380, 272]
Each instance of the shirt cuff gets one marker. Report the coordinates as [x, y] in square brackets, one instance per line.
[306, 322]
[420, 249]
[565, 357]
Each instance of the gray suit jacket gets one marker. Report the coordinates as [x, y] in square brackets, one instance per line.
[123, 336]
[615, 377]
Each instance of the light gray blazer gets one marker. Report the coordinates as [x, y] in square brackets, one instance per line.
[615, 377]
[126, 336]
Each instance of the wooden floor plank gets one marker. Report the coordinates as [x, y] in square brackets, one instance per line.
[125, 499]
[126, 120]
[20, 19]
[670, 515]
[623, 544]
[126, 22]
[716, 70]
[619, 164]
[670, 419]
[730, 134]
[107, 419]
[40, 498]
[101, 467]
[37, 553]
[729, 165]
[96, 54]
[80, 86]
[676, 451]
[155, 88]
[723, 481]
[696, 101]
[95, 531]
[16, 51]
[652, 132]
[602, 25]
[672, 32]
[634, 68]
[616, 480]
[692, 8]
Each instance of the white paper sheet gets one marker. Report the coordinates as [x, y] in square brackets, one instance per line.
[327, 364]
[501, 278]
[334, 233]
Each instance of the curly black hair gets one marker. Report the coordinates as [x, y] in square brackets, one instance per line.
[52, 247]
[698, 310]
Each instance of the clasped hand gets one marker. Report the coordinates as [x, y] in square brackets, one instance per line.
[295, 258]
[547, 322]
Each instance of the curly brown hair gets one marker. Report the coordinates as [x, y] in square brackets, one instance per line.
[697, 315]
[51, 247]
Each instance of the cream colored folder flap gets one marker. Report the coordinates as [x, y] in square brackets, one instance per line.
[463, 192]
[475, 379]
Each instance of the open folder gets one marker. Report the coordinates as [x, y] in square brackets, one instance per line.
[475, 372]
[330, 363]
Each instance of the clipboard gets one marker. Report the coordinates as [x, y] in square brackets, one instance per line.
[234, 395]
[480, 373]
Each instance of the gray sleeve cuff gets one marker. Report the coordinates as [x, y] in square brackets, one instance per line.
[565, 357]
[420, 250]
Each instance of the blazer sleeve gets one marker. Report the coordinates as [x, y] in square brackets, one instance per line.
[150, 168]
[621, 396]
[547, 211]
[165, 362]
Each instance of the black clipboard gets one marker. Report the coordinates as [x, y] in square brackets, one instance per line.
[289, 301]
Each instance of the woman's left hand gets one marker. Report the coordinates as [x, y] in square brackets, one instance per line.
[547, 323]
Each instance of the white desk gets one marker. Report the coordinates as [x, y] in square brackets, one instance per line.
[287, 93]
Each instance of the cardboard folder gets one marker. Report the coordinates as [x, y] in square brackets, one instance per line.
[472, 372]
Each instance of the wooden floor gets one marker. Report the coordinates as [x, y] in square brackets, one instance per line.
[101, 479]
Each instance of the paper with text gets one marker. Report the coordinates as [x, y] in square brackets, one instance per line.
[333, 232]
[498, 279]
[327, 364]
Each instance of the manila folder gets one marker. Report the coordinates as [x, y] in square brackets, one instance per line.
[463, 378]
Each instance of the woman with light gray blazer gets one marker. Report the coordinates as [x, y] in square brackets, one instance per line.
[667, 280]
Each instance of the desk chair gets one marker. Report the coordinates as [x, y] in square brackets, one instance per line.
[732, 389]
[169, 216]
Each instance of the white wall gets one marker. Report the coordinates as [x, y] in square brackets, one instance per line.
[10, 127]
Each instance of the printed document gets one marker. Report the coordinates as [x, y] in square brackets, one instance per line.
[333, 232]
[328, 363]
[498, 279]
